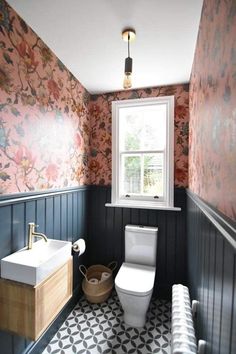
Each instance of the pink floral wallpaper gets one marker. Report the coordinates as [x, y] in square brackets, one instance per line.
[100, 118]
[212, 159]
[44, 117]
[53, 134]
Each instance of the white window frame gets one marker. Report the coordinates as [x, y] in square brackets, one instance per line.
[148, 203]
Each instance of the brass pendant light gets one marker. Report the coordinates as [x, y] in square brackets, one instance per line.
[128, 35]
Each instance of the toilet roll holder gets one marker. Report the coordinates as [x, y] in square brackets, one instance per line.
[79, 246]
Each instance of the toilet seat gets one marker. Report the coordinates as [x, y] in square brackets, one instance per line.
[135, 279]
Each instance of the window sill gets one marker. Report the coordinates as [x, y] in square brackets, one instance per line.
[141, 206]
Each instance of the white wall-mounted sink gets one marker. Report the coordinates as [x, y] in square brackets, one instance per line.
[33, 266]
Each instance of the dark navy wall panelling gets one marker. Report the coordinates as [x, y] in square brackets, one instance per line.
[69, 215]
[60, 216]
[72, 214]
[211, 278]
[106, 236]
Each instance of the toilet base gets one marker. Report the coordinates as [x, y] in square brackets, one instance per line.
[134, 321]
[134, 307]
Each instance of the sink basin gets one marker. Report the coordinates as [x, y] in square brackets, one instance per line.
[35, 265]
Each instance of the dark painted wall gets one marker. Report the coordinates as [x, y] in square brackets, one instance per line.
[211, 277]
[62, 216]
[106, 236]
[82, 213]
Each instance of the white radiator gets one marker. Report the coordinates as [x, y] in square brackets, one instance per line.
[183, 334]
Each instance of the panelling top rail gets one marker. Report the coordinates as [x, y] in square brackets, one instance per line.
[226, 228]
[23, 197]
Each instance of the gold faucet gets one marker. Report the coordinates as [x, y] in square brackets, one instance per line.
[32, 234]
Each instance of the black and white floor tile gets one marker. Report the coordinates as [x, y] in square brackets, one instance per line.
[99, 329]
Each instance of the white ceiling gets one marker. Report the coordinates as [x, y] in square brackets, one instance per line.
[86, 36]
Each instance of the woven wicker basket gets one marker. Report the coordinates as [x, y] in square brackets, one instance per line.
[97, 293]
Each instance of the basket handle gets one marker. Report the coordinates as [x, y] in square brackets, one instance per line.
[112, 265]
[83, 270]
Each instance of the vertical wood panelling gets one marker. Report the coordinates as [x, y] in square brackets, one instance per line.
[57, 216]
[233, 314]
[117, 237]
[6, 231]
[60, 217]
[18, 227]
[228, 284]
[84, 229]
[170, 247]
[29, 216]
[211, 284]
[134, 217]
[75, 215]
[49, 220]
[83, 213]
[143, 217]
[40, 215]
[79, 213]
[205, 272]
[218, 292]
[106, 236]
[69, 218]
[110, 222]
[63, 203]
[211, 278]
[152, 218]
[101, 223]
[161, 277]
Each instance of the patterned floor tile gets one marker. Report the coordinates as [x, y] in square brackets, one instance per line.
[94, 329]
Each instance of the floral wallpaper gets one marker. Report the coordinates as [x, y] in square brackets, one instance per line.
[100, 119]
[44, 117]
[53, 134]
[212, 160]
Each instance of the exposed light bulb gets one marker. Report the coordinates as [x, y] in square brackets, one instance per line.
[127, 83]
[128, 35]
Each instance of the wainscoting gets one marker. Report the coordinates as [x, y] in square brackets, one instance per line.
[106, 236]
[211, 275]
[73, 213]
[81, 212]
[61, 215]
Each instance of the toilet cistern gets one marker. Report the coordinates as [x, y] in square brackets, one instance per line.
[32, 234]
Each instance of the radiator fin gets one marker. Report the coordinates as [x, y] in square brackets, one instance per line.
[182, 329]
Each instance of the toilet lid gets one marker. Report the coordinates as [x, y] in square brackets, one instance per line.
[135, 279]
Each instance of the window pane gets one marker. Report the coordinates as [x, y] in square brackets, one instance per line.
[153, 174]
[131, 174]
[154, 130]
[143, 128]
[131, 125]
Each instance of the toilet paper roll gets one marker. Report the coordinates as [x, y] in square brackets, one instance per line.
[93, 281]
[79, 246]
[105, 276]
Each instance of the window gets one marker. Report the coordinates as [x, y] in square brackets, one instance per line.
[142, 152]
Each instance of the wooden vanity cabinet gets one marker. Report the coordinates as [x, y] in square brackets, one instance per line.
[28, 310]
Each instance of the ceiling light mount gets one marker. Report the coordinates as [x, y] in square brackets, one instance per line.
[128, 35]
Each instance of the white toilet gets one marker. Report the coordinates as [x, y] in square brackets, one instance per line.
[135, 279]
